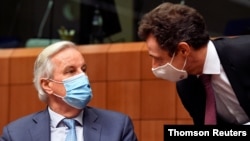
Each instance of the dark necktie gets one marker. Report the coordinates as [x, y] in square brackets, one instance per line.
[70, 123]
[210, 113]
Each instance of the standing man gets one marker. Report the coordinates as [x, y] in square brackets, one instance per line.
[182, 51]
[62, 83]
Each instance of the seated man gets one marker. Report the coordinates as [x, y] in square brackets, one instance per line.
[62, 83]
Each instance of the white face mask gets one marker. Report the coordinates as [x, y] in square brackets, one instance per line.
[169, 72]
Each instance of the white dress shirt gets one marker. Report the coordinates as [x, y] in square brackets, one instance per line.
[59, 130]
[227, 104]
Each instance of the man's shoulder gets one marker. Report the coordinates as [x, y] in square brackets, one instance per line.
[23, 121]
[106, 112]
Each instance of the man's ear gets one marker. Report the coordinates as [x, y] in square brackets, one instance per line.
[45, 84]
[183, 48]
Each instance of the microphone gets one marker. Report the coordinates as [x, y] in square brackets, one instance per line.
[39, 42]
[45, 17]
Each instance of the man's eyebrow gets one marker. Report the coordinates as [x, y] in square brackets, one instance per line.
[150, 55]
[157, 57]
[68, 67]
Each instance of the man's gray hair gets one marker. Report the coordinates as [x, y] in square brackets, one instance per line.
[43, 67]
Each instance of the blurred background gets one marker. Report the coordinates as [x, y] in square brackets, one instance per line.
[33, 23]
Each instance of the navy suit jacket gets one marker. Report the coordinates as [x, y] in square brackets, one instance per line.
[234, 54]
[99, 125]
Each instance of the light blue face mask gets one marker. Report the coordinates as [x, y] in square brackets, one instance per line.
[78, 91]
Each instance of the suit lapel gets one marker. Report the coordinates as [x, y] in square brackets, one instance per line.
[91, 129]
[40, 130]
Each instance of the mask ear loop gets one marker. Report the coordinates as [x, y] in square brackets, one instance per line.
[184, 64]
[58, 95]
[184, 61]
[172, 58]
[55, 81]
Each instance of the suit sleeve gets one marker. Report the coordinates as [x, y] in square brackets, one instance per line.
[129, 133]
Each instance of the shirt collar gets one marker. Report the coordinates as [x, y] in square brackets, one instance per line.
[212, 61]
[55, 118]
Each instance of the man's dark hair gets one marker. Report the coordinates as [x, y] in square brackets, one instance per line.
[173, 23]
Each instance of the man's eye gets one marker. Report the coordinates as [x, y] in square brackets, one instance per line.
[70, 71]
[84, 69]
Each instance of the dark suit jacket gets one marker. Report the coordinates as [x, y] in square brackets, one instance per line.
[99, 125]
[234, 54]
